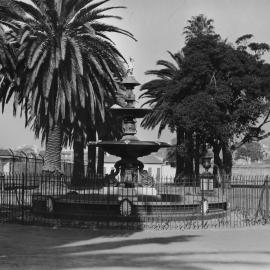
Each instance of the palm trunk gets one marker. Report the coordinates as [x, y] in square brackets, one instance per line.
[180, 161]
[91, 165]
[217, 162]
[189, 172]
[227, 164]
[227, 159]
[78, 162]
[100, 165]
[52, 159]
[197, 158]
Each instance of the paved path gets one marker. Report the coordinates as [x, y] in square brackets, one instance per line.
[28, 247]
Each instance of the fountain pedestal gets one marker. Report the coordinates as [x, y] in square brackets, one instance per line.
[129, 147]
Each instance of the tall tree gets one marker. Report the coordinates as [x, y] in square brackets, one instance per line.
[225, 87]
[198, 26]
[252, 150]
[66, 63]
[8, 63]
[221, 92]
[164, 99]
[155, 93]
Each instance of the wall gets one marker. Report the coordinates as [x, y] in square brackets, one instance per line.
[166, 171]
[251, 169]
[149, 167]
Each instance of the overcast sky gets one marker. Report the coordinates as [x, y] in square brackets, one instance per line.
[158, 27]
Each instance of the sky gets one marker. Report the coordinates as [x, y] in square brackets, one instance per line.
[158, 25]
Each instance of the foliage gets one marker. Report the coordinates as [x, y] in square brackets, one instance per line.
[156, 90]
[66, 67]
[252, 150]
[216, 96]
[220, 89]
[198, 26]
[8, 63]
[66, 62]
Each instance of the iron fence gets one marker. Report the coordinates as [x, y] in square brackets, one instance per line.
[48, 199]
[15, 162]
[18, 162]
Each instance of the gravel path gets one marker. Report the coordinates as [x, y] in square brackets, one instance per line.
[28, 247]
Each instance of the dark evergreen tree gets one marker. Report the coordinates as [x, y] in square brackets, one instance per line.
[217, 96]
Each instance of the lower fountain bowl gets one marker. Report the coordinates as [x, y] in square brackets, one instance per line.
[138, 204]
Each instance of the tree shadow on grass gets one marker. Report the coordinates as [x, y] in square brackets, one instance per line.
[156, 260]
[89, 245]
[122, 260]
[28, 247]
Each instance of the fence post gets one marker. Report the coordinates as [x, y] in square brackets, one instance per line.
[35, 173]
[13, 159]
[26, 161]
[23, 186]
[267, 197]
[202, 199]
[2, 180]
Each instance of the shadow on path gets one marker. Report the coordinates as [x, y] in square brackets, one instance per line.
[26, 247]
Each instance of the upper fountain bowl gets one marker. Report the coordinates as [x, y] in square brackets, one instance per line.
[129, 111]
[131, 148]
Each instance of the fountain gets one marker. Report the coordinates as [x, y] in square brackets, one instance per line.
[136, 196]
[129, 148]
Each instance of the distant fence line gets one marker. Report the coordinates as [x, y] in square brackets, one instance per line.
[52, 200]
[252, 169]
[28, 196]
[17, 162]
[32, 163]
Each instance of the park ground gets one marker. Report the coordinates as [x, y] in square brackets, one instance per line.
[33, 247]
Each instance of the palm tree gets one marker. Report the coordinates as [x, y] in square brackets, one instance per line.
[66, 64]
[156, 90]
[158, 93]
[198, 25]
[8, 63]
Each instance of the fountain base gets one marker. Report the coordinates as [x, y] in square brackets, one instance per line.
[123, 192]
[131, 204]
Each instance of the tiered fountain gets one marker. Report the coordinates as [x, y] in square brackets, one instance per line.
[136, 195]
[129, 147]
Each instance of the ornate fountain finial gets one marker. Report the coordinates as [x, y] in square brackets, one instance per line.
[130, 66]
[129, 81]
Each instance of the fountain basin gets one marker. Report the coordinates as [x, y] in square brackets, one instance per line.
[138, 191]
[129, 204]
[134, 112]
[129, 148]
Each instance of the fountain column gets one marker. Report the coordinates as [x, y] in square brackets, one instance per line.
[129, 166]
[129, 148]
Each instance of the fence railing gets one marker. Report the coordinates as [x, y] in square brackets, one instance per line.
[18, 162]
[163, 204]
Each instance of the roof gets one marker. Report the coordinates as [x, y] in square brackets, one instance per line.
[9, 154]
[5, 153]
[146, 160]
[130, 80]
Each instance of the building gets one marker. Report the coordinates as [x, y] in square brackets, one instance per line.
[12, 161]
[5, 160]
[154, 165]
